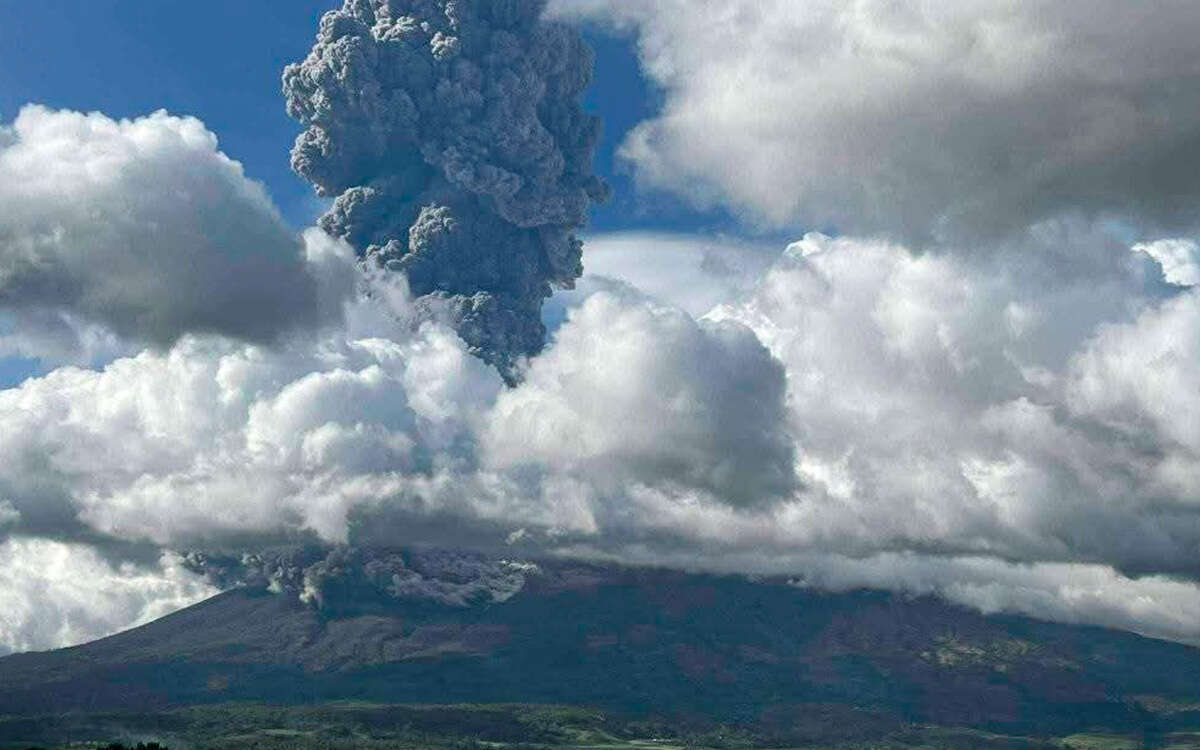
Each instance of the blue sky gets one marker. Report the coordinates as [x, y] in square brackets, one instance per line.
[130, 57]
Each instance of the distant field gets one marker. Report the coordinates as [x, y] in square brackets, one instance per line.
[353, 726]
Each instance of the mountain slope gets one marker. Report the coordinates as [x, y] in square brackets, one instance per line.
[641, 642]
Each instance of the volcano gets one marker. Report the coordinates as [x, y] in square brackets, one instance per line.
[638, 643]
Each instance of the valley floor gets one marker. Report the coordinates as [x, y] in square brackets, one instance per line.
[363, 726]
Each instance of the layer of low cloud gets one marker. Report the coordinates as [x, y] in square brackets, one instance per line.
[865, 416]
[919, 119]
[213, 440]
[140, 229]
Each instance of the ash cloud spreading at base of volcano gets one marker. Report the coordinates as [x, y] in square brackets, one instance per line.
[333, 577]
[451, 134]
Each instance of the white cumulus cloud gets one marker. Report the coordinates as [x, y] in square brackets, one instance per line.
[1179, 259]
[141, 228]
[918, 118]
[57, 594]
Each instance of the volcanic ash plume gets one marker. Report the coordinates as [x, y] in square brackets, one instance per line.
[451, 134]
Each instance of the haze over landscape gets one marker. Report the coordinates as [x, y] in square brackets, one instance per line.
[841, 295]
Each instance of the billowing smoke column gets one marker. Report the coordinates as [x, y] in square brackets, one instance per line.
[451, 133]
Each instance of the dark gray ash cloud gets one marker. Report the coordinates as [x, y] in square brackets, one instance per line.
[332, 577]
[451, 134]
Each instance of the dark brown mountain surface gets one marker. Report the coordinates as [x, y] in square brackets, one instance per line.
[642, 644]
